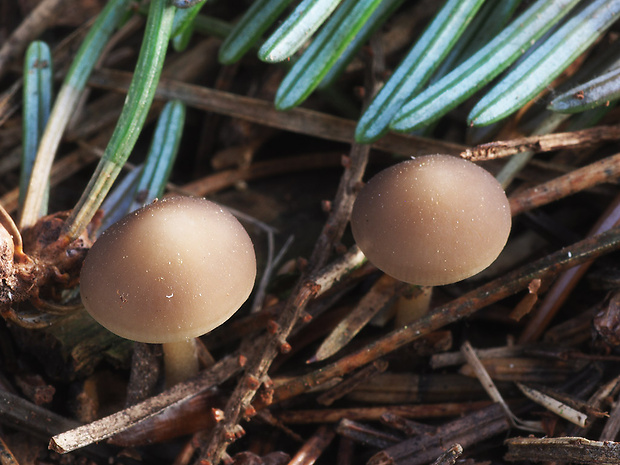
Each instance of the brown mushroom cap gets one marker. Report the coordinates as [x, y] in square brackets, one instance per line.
[172, 270]
[432, 220]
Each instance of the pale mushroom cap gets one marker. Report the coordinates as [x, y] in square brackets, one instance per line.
[432, 220]
[172, 270]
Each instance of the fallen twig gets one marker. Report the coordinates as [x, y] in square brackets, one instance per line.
[298, 120]
[575, 450]
[543, 143]
[458, 309]
[120, 421]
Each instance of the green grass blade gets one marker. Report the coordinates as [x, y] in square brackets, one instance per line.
[482, 67]
[307, 73]
[119, 199]
[162, 153]
[416, 68]
[37, 98]
[379, 16]
[67, 98]
[183, 4]
[146, 182]
[183, 25]
[594, 93]
[250, 28]
[182, 39]
[489, 22]
[547, 62]
[211, 26]
[298, 27]
[139, 99]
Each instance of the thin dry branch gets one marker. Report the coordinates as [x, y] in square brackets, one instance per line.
[299, 120]
[450, 456]
[436, 410]
[307, 288]
[314, 447]
[543, 143]
[458, 309]
[227, 178]
[465, 431]
[120, 421]
[365, 434]
[381, 296]
[563, 286]
[568, 450]
[35, 23]
[601, 171]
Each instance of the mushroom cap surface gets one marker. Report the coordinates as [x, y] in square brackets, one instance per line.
[432, 220]
[172, 270]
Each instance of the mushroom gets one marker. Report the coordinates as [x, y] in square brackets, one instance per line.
[167, 273]
[432, 220]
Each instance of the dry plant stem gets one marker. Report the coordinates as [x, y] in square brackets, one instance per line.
[450, 456]
[6, 221]
[578, 180]
[346, 451]
[62, 169]
[66, 166]
[435, 410]
[465, 431]
[50, 140]
[612, 425]
[21, 414]
[314, 447]
[559, 292]
[31, 28]
[120, 421]
[355, 166]
[183, 418]
[381, 296]
[408, 427]
[227, 178]
[458, 309]
[298, 120]
[365, 434]
[346, 386]
[10, 100]
[529, 369]
[486, 381]
[308, 287]
[6, 456]
[457, 358]
[595, 406]
[553, 405]
[144, 374]
[543, 143]
[515, 165]
[568, 450]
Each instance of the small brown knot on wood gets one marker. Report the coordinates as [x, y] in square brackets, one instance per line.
[284, 347]
[218, 414]
[249, 412]
[253, 382]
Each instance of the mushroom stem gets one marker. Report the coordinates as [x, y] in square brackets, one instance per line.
[180, 361]
[410, 308]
